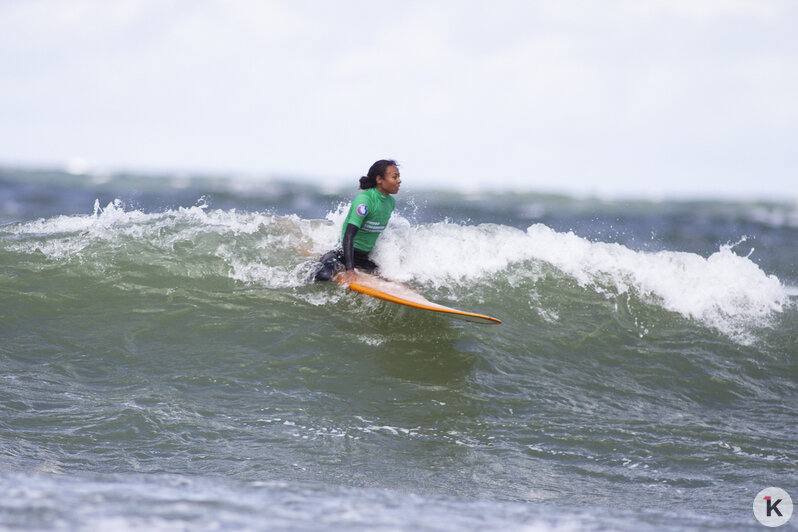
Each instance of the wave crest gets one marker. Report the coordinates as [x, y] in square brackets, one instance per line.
[724, 291]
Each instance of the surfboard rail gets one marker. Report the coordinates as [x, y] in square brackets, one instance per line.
[375, 287]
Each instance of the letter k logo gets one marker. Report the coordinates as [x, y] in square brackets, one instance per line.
[772, 507]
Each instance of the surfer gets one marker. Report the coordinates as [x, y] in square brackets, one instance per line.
[367, 217]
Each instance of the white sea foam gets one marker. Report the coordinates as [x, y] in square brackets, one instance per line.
[256, 247]
[724, 291]
[776, 215]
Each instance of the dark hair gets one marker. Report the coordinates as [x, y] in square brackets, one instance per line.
[377, 170]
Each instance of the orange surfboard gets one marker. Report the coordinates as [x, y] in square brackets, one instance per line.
[403, 295]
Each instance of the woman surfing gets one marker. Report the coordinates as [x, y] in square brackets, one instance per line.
[366, 220]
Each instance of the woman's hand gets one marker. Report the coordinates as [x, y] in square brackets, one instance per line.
[347, 277]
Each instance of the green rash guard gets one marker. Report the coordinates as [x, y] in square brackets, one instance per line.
[370, 212]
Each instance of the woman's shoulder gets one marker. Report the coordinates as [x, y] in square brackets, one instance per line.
[362, 196]
[370, 194]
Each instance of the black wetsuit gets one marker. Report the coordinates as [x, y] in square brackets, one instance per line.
[333, 263]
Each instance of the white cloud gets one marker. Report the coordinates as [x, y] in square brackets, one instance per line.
[707, 9]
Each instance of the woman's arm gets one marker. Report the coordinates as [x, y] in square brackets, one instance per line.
[349, 246]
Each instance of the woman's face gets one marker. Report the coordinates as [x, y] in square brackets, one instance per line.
[389, 184]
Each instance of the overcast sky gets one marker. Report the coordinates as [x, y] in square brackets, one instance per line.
[633, 97]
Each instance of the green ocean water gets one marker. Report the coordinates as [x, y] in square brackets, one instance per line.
[166, 365]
